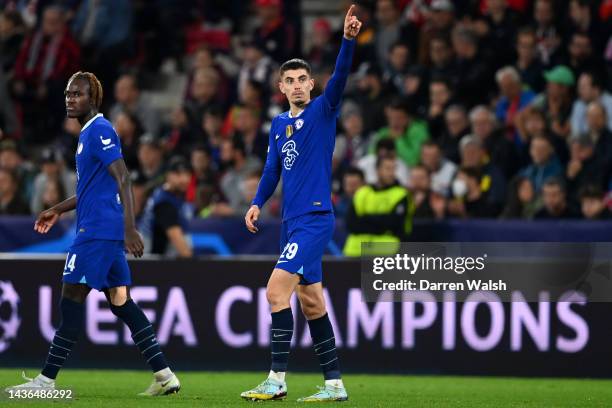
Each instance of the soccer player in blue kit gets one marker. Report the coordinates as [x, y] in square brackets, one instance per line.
[105, 231]
[300, 149]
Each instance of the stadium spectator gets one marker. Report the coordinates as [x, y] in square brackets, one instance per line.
[250, 97]
[554, 199]
[384, 148]
[11, 202]
[513, 98]
[256, 66]
[53, 171]
[583, 168]
[12, 32]
[352, 180]
[396, 65]
[548, 35]
[351, 144]
[498, 30]
[472, 80]
[600, 134]
[8, 120]
[527, 63]
[12, 160]
[204, 58]
[440, 95]
[592, 204]
[580, 56]
[522, 201]
[128, 98]
[590, 88]
[441, 171]
[468, 199]
[129, 129]
[204, 186]
[388, 28]
[456, 126]
[277, 35]
[407, 132]
[165, 222]
[211, 125]
[150, 172]
[322, 53]
[439, 21]
[45, 62]
[379, 213]
[441, 57]
[203, 94]
[370, 94]
[545, 163]
[53, 194]
[492, 181]
[419, 186]
[237, 166]
[247, 130]
[497, 146]
[103, 29]
[556, 101]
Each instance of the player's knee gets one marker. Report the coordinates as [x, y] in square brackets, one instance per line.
[117, 296]
[276, 298]
[76, 293]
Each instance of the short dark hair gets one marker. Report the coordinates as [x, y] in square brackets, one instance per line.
[354, 171]
[591, 191]
[471, 172]
[555, 181]
[596, 80]
[386, 143]
[381, 159]
[295, 63]
[399, 103]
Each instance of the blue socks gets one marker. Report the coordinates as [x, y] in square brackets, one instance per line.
[324, 344]
[73, 316]
[280, 339]
[142, 334]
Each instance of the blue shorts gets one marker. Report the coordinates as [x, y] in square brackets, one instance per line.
[302, 244]
[98, 264]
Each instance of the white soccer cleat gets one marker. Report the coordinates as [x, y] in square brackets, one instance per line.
[170, 386]
[40, 382]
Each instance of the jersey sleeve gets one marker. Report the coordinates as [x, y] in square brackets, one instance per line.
[271, 172]
[335, 86]
[105, 145]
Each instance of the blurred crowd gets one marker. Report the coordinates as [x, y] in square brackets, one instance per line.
[474, 108]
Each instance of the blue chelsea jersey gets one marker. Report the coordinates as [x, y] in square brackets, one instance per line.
[99, 209]
[302, 147]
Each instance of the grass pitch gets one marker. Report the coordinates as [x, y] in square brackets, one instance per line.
[110, 388]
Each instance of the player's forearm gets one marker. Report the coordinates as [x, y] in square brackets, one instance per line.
[68, 204]
[127, 199]
[337, 82]
[266, 188]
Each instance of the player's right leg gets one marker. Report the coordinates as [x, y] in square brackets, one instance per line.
[281, 286]
[72, 312]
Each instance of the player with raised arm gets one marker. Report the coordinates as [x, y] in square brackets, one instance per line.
[300, 150]
[106, 229]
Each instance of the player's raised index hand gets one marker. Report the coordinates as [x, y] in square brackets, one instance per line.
[251, 218]
[45, 221]
[351, 24]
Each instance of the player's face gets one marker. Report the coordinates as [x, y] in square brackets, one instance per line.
[296, 84]
[78, 103]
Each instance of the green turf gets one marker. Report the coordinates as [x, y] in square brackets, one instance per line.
[100, 388]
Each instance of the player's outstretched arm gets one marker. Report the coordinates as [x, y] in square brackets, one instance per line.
[337, 82]
[267, 184]
[133, 241]
[48, 218]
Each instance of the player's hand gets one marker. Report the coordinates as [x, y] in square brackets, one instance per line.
[134, 243]
[251, 218]
[46, 220]
[351, 24]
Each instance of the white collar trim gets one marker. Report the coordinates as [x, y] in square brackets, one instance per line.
[296, 116]
[89, 122]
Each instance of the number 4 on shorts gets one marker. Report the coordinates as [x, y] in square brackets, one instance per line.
[70, 261]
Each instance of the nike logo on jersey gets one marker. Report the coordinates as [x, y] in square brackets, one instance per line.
[282, 262]
[105, 142]
[66, 273]
[276, 137]
[280, 335]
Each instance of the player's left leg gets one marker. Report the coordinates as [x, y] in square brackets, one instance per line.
[165, 381]
[122, 306]
[324, 343]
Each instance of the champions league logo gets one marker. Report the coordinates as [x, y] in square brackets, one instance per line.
[9, 316]
[291, 154]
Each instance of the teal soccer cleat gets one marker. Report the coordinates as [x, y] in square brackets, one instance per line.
[270, 389]
[328, 393]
